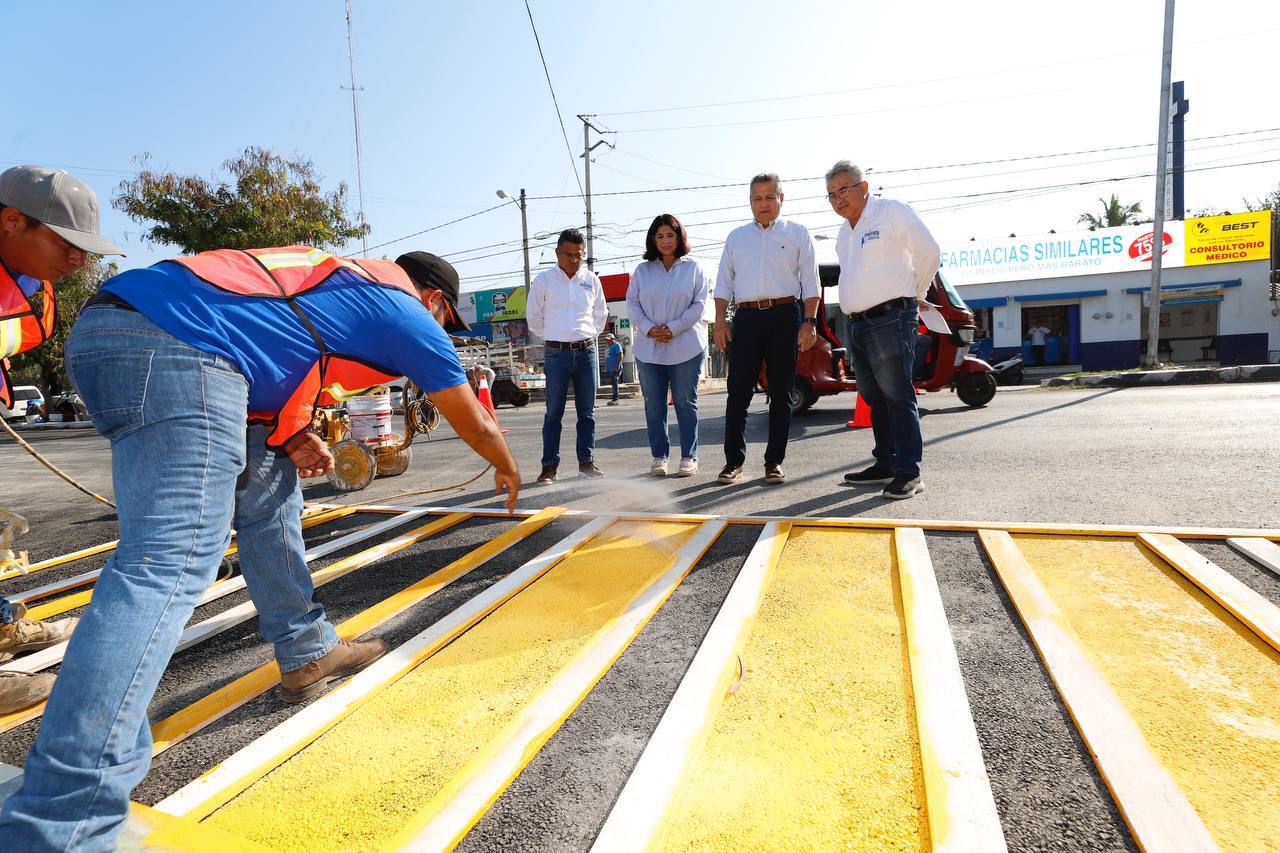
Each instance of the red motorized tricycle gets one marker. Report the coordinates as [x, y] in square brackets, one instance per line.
[943, 360]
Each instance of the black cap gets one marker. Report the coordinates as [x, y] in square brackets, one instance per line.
[428, 270]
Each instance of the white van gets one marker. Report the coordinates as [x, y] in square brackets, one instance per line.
[22, 397]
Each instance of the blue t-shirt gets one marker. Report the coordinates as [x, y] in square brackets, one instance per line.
[613, 357]
[381, 326]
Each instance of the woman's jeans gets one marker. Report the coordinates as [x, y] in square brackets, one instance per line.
[682, 380]
[183, 470]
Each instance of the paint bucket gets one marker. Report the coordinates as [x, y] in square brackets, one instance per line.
[370, 416]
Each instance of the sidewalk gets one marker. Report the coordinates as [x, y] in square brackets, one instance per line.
[1167, 376]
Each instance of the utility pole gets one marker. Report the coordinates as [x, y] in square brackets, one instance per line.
[587, 148]
[1162, 157]
[1178, 147]
[355, 117]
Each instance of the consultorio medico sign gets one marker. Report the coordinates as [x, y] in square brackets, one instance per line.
[1194, 242]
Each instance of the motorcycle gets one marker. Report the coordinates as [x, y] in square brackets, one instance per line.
[1009, 371]
[942, 360]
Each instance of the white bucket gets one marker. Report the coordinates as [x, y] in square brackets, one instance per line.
[370, 417]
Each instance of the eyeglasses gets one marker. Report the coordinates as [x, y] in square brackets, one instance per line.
[843, 192]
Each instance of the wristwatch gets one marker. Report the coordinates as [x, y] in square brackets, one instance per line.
[813, 320]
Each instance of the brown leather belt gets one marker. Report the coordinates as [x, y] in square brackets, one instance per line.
[767, 303]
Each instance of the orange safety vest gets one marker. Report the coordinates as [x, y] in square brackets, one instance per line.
[286, 273]
[21, 326]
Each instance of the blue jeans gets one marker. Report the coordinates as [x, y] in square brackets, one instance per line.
[175, 417]
[683, 381]
[6, 611]
[614, 376]
[581, 369]
[883, 355]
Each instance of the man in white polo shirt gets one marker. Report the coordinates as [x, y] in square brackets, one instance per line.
[768, 268]
[887, 261]
[566, 308]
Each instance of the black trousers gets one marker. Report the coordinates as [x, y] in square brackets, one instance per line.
[768, 336]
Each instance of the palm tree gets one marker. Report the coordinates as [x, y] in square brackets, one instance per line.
[1113, 213]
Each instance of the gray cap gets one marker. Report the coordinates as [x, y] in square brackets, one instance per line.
[60, 201]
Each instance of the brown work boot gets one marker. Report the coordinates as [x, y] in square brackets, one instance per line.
[589, 469]
[773, 473]
[548, 474]
[19, 690]
[347, 658]
[30, 635]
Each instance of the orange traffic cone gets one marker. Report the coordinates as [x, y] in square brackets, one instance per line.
[861, 413]
[486, 398]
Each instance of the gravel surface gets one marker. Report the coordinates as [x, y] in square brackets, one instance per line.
[1261, 580]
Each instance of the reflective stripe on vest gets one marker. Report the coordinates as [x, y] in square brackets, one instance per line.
[286, 273]
[22, 327]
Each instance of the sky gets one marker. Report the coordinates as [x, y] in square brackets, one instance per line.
[454, 106]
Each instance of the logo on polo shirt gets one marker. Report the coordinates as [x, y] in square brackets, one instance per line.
[870, 235]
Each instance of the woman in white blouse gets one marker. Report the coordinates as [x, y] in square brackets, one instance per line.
[667, 301]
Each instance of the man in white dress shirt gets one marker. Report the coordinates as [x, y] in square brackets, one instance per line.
[769, 269]
[888, 259]
[566, 308]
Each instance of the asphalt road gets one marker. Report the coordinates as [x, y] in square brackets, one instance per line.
[1195, 456]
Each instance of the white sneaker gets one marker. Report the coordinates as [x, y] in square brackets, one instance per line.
[688, 467]
[659, 467]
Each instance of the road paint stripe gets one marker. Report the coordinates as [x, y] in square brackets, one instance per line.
[46, 658]
[887, 523]
[202, 796]
[1154, 807]
[1263, 551]
[457, 807]
[316, 515]
[635, 817]
[961, 807]
[234, 616]
[815, 748]
[1262, 617]
[214, 706]
[80, 599]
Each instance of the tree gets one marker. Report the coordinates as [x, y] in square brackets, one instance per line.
[1113, 214]
[1271, 201]
[44, 366]
[266, 200]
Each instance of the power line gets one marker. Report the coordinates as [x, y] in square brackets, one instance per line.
[573, 162]
[438, 227]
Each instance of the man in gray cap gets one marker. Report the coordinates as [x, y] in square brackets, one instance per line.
[48, 228]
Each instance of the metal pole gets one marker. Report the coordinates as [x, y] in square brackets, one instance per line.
[586, 156]
[524, 235]
[355, 117]
[1157, 226]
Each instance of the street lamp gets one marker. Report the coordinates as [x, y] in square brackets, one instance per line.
[524, 229]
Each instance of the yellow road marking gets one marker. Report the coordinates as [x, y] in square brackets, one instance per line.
[457, 807]
[410, 739]
[201, 796]
[686, 723]
[817, 748]
[1245, 604]
[182, 724]
[961, 808]
[1154, 806]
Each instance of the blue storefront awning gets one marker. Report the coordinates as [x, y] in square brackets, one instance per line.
[1192, 301]
[987, 302]
[1056, 297]
[1204, 285]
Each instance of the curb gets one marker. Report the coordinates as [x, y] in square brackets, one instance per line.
[1194, 376]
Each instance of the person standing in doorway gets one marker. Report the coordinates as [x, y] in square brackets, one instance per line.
[1038, 335]
[887, 261]
[667, 303]
[566, 308]
[613, 365]
[768, 268]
